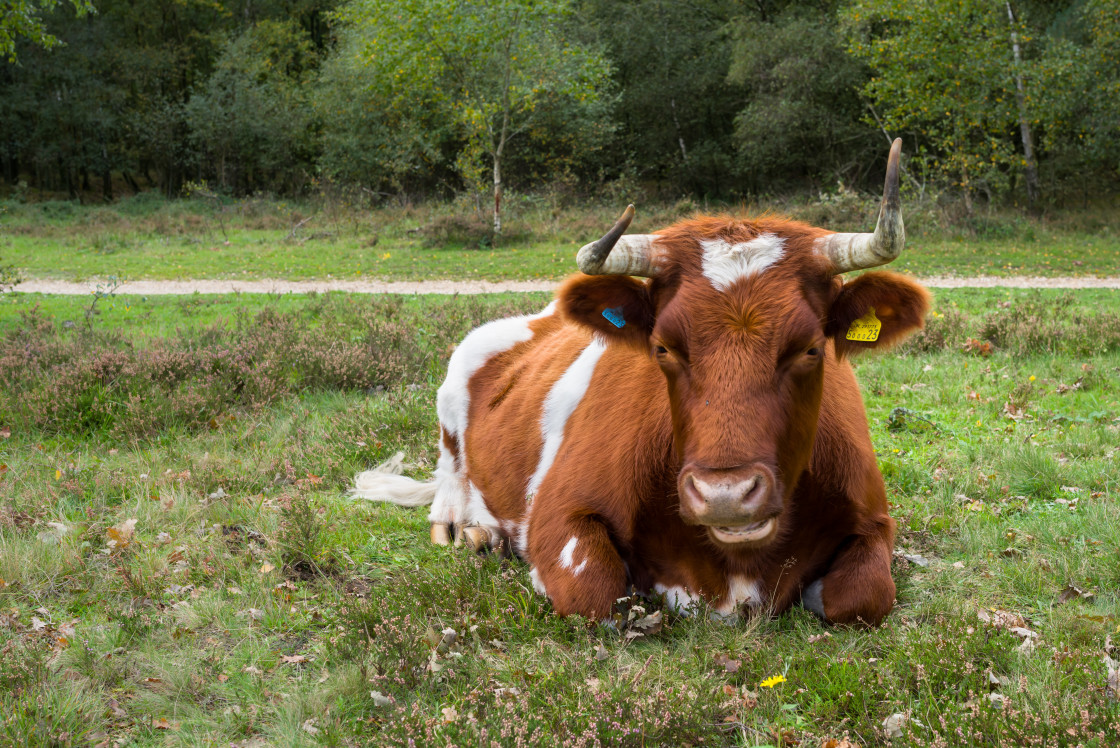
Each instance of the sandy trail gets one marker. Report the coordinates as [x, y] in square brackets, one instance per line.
[181, 287]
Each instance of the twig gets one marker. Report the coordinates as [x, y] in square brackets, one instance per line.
[641, 672]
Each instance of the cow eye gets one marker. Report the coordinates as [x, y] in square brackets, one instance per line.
[813, 352]
[661, 350]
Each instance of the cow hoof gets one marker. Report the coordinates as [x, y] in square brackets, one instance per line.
[441, 534]
[477, 538]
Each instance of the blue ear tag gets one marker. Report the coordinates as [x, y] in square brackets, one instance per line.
[614, 316]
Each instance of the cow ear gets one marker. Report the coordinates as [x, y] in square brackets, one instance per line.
[898, 303]
[616, 306]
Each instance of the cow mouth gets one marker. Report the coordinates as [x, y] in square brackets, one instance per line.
[751, 533]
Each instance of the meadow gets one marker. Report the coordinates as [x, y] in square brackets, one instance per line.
[148, 237]
[179, 563]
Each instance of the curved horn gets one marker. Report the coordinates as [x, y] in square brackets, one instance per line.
[616, 254]
[859, 251]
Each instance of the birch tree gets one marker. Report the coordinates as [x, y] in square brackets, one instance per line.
[493, 68]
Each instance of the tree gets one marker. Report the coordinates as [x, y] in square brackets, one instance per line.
[23, 19]
[945, 71]
[495, 70]
[803, 113]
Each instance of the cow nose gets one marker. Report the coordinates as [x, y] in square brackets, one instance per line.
[729, 495]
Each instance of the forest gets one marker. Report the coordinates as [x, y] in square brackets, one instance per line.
[1016, 103]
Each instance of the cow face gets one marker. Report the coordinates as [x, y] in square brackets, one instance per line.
[742, 318]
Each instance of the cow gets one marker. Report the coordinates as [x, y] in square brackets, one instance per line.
[682, 420]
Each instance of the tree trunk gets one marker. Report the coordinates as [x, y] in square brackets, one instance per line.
[1031, 172]
[497, 195]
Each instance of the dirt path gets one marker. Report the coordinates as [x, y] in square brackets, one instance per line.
[156, 288]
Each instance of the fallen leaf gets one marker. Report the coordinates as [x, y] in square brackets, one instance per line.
[997, 700]
[222, 677]
[252, 670]
[819, 637]
[5, 432]
[120, 535]
[256, 614]
[293, 659]
[601, 653]
[266, 567]
[916, 559]
[160, 724]
[380, 699]
[893, 724]
[728, 664]
[449, 714]
[309, 727]
[1069, 592]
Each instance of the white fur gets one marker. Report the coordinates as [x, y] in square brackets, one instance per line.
[726, 263]
[740, 591]
[482, 344]
[385, 483]
[678, 599]
[567, 557]
[455, 500]
[538, 586]
[811, 598]
[563, 399]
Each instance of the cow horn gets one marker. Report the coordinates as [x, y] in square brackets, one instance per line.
[858, 251]
[616, 254]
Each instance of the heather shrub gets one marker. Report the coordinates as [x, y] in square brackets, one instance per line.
[1037, 324]
[74, 380]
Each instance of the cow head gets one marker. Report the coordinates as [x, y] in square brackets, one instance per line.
[743, 318]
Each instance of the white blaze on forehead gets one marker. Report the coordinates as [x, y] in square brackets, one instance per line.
[566, 557]
[561, 402]
[726, 263]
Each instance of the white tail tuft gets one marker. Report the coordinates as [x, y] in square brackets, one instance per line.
[385, 483]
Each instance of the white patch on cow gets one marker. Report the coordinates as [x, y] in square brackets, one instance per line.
[811, 598]
[450, 502]
[538, 585]
[740, 591]
[679, 599]
[567, 557]
[561, 402]
[726, 263]
[479, 514]
[453, 498]
[481, 345]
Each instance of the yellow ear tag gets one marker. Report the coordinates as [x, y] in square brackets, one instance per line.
[866, 328]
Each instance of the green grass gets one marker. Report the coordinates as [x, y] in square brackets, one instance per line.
[274, 611]
[147, 238]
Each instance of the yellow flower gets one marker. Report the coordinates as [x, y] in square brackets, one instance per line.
[772, 681]
[1031, 378]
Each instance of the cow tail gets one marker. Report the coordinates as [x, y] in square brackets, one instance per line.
[385, 483]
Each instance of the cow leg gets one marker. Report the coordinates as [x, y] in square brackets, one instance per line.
[857, 588]
[449, 508]
[577, 566]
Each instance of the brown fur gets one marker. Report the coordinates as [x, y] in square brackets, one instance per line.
[751, 380]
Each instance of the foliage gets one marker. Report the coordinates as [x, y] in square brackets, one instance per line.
[24, 19]
[494, 72]
[804, 116]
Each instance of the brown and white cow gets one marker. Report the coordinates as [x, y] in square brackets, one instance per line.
[695, 432]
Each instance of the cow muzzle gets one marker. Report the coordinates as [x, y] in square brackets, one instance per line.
[738, 505]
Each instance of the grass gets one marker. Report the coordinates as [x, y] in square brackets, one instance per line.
[252, 604]
[146, 237]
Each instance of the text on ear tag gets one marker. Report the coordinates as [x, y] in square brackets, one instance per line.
[866, 328]
[614, 316]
